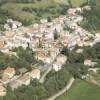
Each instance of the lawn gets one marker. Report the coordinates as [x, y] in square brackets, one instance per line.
[75, 3]
[82, 90]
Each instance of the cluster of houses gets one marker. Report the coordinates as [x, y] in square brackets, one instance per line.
[40, 38]
[9, 76]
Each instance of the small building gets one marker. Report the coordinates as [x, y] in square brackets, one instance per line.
[87, 7]
[79, 50]
[54, 51]
[60, 60]
[44, 20]
[24, 79]
[97, 38]
[72, 11]
[2, 90]
[2, 44]
[35, 74]
[88, 62]
[57, 66]
[8, 73]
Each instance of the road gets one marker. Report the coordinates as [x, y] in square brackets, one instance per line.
[66, 88]
[42, 79]
[45, 74]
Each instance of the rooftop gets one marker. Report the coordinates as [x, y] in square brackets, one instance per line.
[8, 70]
[35, 71]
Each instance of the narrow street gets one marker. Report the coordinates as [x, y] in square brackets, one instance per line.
[42, 79]
[45, 74]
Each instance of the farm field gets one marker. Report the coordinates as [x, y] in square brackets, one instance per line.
[82, 90]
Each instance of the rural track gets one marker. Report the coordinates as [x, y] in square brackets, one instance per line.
[65, 89]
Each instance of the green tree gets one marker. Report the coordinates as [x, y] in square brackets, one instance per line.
[49, 19]
[56, 36]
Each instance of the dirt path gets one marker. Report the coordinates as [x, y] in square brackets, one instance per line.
[45, 74]
[66, 88]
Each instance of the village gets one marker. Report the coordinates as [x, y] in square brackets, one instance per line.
[46, 39]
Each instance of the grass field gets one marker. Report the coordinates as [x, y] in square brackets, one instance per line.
[82, 91]
[77, 3]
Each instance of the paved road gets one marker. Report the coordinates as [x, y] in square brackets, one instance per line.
[67, 87]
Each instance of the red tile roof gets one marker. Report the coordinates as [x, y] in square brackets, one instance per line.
[8, 70]
[35, 71]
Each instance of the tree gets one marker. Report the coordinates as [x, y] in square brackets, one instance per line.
[70, 4]
[92, 3]
[65, 51]
[56, 36]
[77, 69]
[49, 19]
[25, 59]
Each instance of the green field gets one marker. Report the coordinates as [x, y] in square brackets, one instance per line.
[77, 3]
[82, 91]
